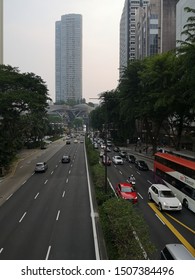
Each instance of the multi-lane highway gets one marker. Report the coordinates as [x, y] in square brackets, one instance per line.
[50, 215]
[164, 227]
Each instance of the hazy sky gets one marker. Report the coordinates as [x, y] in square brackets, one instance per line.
[29, 40]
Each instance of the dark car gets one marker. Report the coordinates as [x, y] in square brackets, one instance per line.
[65, 159]
[106, 161]
[116, 149]
[131, 158]
[141, 165]
[68, 142]
[123, 154]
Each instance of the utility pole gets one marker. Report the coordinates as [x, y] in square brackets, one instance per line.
[105, 150]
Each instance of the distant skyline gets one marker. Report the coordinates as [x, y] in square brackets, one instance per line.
[29, 40]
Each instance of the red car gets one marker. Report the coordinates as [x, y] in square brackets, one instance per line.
[126, 191]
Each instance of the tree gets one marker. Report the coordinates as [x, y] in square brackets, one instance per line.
[23, 104]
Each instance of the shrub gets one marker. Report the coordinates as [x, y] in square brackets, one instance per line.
[122, 224]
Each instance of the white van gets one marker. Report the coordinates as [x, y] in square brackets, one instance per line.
[176, 252]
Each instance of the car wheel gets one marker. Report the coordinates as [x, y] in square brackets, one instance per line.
[150, 197]
[185, 203]
[160, 207]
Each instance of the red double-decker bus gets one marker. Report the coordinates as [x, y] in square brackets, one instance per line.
[179, 175]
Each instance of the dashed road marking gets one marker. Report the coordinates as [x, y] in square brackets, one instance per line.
[36, 195]
[22, 217]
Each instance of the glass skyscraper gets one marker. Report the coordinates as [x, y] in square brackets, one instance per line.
[68, 58]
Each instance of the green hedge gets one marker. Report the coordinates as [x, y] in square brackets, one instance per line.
[124, 229]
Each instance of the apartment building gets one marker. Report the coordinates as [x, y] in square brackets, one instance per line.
[68, 58]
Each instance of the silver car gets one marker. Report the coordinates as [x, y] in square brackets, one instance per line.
[41, 167]
[117, 160]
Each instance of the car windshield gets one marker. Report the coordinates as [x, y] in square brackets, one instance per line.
[127, 189]
[39, 164]
[166, 194]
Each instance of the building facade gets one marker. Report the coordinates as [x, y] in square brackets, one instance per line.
[182, 17]
[68, 58]
[1, 31]
[127, 32]
[147, 28]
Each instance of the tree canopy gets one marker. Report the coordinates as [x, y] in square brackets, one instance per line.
[23, 110]
[154, 95]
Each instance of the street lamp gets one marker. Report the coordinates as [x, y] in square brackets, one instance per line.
[105, 152]
[106, 159]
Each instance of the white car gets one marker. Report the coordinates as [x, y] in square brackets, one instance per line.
[164, 198]
[41, 167]
[117, 160]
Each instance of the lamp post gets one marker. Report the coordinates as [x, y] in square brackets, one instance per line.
[105, 165]
[105, 151]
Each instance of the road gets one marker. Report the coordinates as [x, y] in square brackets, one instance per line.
[49, 216]
[164, 227]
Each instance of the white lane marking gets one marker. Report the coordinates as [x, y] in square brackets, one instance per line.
[58, 214]
[36, 195]
[140, 195]
[67, 180]
[52, 172]
[63, 194]
[138, 172]
[97, 253]
[120, 172]
[21, 166]
[23, 182]
[1, 250]
[56, 165]
[112, 188]
[149, 182]
[45, 182]
[9, 196]
[22, 217]
[48, 252]
[69, 171]
[160, 219]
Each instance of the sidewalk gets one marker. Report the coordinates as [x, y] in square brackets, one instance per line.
[23, 168]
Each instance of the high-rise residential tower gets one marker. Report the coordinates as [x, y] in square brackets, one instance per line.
[68, 58]
[1, 31]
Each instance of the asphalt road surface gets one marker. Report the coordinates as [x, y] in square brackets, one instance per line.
[164, 227]
[49, 216]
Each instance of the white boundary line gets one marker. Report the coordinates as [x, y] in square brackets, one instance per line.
[97, 253]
